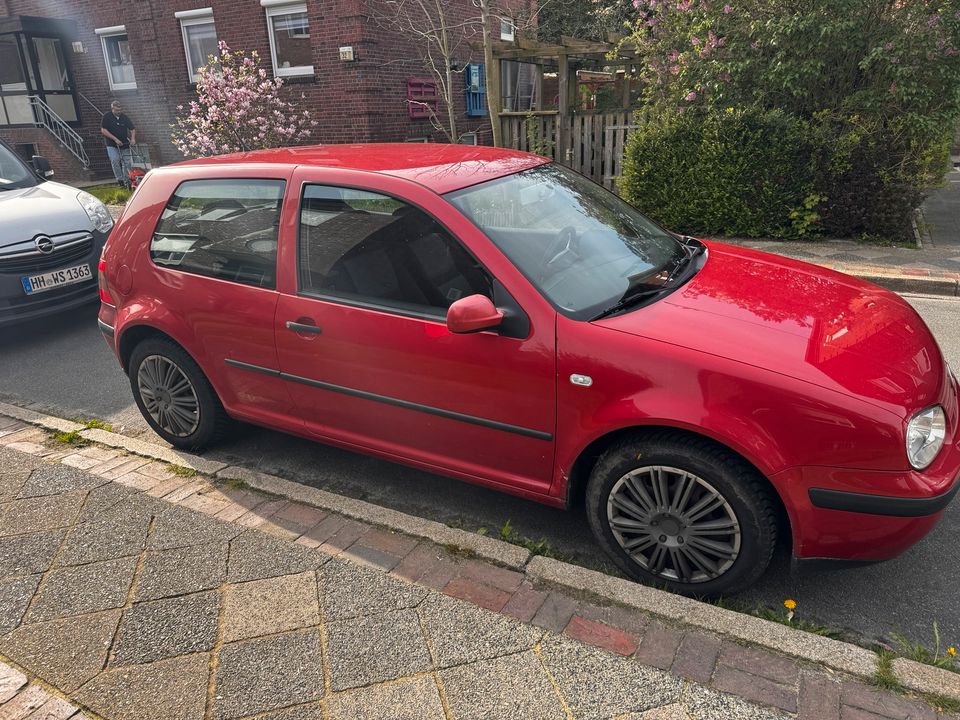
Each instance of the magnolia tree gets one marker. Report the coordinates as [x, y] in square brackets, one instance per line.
[238, 108]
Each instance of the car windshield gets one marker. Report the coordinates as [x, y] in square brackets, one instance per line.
[13, 172]
[584, 248]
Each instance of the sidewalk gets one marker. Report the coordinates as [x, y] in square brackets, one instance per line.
[131, 592]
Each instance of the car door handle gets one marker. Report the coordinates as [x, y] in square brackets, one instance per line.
[299, 327]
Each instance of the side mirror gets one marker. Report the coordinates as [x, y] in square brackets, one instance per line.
[42, 166]
[473, 314]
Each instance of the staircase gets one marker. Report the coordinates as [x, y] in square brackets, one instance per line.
[45, 117]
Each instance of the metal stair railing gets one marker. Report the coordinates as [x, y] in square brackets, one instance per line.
[45, 117]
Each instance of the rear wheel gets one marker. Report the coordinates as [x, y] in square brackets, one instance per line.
[174, 396]
[679, 512]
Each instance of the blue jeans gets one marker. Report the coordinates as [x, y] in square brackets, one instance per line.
[120, 162]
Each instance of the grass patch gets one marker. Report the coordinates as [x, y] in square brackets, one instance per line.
[536, 547]
[98, 425]
[181, 471]
[70, 438]
[884, 676]
[778, 616]
[111, 194]
[940, 657]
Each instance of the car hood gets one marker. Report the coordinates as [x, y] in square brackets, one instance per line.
[803, 321]
[48, 208]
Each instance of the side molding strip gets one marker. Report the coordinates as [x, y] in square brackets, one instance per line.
[396, 402]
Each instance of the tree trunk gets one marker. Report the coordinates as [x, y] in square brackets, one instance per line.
[448, 95]
[492, 72]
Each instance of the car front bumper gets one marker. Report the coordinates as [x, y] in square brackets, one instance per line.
[868, 515]
[16, 306]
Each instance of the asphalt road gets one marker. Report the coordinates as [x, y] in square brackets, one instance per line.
[63, 366]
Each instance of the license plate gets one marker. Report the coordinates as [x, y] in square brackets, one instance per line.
[58, 278]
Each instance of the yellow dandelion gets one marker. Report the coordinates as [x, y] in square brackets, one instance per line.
[952, 651]
[790, 604]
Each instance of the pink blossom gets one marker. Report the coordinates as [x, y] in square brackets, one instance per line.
[727, 9]
[888, 46]
[691, 96]
[674, 69]
[695, 41]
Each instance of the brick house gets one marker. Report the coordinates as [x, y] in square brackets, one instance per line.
[77, 55]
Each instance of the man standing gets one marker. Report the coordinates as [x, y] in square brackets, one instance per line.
[119, 134]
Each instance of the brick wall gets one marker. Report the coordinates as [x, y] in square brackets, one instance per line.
[360, 101]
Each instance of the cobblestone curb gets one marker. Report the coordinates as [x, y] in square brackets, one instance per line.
[698, 641]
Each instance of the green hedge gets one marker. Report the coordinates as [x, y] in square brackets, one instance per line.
[753, 172]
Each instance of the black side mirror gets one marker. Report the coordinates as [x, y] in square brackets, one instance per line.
[42, 166]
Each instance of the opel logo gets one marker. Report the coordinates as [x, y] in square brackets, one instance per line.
[44, 244]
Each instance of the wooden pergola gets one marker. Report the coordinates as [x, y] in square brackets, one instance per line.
[566, 54]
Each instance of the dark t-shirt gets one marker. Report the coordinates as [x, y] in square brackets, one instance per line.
[119, 127]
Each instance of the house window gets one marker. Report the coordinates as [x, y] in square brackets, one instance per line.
[518, 84]
[508, 29]
[469, 138]
[116, 55]
[199, 38]
[422, 98]
[289, 29]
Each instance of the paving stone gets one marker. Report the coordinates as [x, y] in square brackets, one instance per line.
[819, 697]
[182, 570]
[755, 688]
[114, 534]
[35, 703]
[414, 699]
[313, 711]
[180, 528]
[347, 535]
[555, 612]
[674, 711]
[393, 543]
[659, 645]
[594, 633]
[65, 652]
[254, 676]
[882, 703]
[103, 498]
[634, 622]
[367, 650]
[269, 606]
[174, 689]
[460, 633]
[477, 594]
[417, 562]
[254, 555]
[28, 554]
[524, 603]
[371, 557]
[760, 662]
[11, 482]
[597, 684]
[166, 628]
[491, 575]
[697, 656]
[57, 478]
[11, 680]
[42, 513]
[15, 595]
[348, 590]
[705, 704]
[83, 589]
[514, 686]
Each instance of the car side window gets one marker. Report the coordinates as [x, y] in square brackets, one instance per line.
[372, 248]
[225, 229]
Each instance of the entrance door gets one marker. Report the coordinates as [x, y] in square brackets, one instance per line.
[53, 78]
[370, 362]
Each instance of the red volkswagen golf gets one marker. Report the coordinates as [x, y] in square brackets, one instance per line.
[495, 317]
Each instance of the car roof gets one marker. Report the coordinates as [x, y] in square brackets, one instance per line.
[440, 167]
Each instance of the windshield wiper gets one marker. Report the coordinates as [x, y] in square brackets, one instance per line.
[631, 299]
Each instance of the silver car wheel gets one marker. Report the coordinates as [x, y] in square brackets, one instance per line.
[168, 396]
[675, 525]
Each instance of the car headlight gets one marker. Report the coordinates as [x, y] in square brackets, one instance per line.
[926, 432]
[97, 212]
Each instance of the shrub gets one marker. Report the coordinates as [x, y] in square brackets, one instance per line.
[870, 88]
[739, 172]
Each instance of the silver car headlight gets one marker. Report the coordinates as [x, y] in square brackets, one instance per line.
[97, 212]
[926, 432]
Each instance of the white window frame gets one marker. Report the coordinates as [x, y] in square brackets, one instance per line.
[109, 32]
[508, 29]
[284, 7]
[192, 18]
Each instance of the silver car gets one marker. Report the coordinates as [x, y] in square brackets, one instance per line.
[51, 236]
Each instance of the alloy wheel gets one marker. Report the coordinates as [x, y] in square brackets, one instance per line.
[674, 524]
[168, 395]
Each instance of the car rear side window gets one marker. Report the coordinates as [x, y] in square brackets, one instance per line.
[225, 229]
[375, 249]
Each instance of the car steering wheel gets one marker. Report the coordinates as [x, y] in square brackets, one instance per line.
[566, 245]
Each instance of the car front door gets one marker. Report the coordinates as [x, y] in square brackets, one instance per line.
[363, 343]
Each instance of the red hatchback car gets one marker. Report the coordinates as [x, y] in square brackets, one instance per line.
[492, 316]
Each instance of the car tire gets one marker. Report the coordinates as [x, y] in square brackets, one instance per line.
[644, 501]
[174, 396]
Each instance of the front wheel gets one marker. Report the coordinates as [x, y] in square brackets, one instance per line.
[174, 396]
[679, 512]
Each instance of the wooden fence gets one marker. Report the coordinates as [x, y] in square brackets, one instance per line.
[597, 140]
